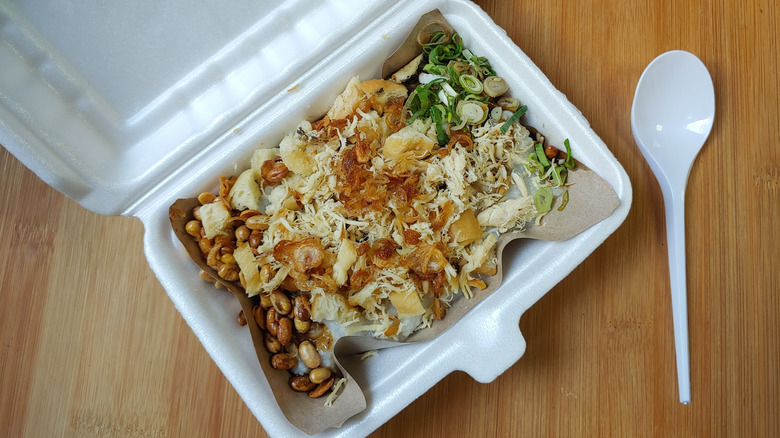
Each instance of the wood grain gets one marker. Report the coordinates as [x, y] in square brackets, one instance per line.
[92, 346]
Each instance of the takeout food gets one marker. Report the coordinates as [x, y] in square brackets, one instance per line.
[375, 217]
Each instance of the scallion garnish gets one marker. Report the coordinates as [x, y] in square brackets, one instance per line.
[558, 175]
[569, 163]
[495, 86]
[513, 118]
[539, 148]
[470, 83]
[472, 112]
[564, 201]
[543, 199]
[438, 113]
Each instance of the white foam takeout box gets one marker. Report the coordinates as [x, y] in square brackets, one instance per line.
[127, 106]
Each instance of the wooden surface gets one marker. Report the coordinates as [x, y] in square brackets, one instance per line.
[92, 346]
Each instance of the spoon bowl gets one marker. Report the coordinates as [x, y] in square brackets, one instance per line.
[673, 112]
[671, 118]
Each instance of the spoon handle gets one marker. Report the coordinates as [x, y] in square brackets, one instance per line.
[674, 202]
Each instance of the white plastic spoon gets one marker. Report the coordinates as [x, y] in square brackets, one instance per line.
[672, 115]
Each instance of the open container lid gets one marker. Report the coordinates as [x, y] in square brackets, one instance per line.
[102, 100]
[125, 108]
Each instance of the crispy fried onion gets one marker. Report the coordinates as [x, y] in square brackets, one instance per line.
[426, 259]
[306, 260]
[362, 191]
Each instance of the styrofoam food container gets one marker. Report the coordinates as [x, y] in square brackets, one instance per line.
[127, 107]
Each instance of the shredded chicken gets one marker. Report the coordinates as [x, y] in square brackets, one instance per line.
[377, 222]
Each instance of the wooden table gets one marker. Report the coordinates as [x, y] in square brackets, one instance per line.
[92, 346]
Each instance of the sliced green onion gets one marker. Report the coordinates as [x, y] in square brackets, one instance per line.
[541, 156]
[471, 112]
[453, 78]
[569, 163]
[458, 67]
[495, 115]
[416, 115]
[564, 201]
[484, 66]
[558, 175]
[517, 114]
[533, 165]
[448, 89]
[427, 78]
[438, 37]
[509, 103]
[495, 86]
[543, 199]
[471, 83]
[437, 114]
[444, 98]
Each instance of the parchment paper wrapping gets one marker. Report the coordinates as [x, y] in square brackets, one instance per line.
[591, 199]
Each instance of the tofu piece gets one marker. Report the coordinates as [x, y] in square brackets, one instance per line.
[466, 229]
[345, 259]
[250, 267]
[296, 153]
[407, 304]
[347, 101]
[407, 143]
[215, 218]
[245, 193]
[384, 90]
[407, 71]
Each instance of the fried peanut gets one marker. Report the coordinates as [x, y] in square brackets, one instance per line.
[281, 302]
[257, 222]
[242, 233]
[204, 244]
[302, 308]
[228, 258]
[265, 301]
[319, 375]
[255, 238]
[206, 197]
[205, 276]
[193, 228]
[283, 361]
[300, 325]
[309, 355]
[284, 332]
[271, 322]
[246, 214]
[228, 272]
[274, 171]
[266, 273]
[550, 151]
[272, 344]
[259, 315]
[301, 384]
[322, 388]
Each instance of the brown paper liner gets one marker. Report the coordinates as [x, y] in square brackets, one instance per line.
[411, 47]
[307, 414]
[591, 199]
